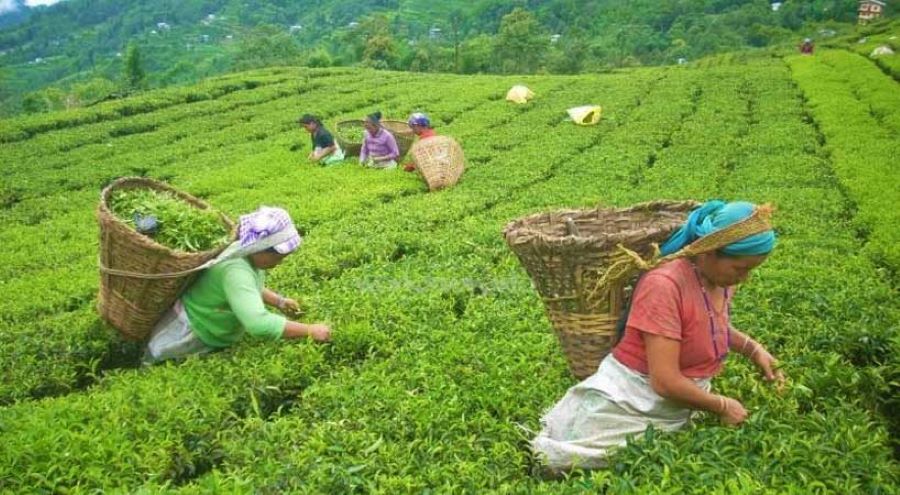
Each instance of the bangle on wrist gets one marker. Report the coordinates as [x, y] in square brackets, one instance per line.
[723, 405]
[755, 350]
[280, 302]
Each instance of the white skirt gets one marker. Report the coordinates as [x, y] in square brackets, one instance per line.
[173, 338]
[599, 413]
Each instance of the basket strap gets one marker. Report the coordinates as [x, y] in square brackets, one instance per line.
[150, 276]
[628, 262]
[234, 250]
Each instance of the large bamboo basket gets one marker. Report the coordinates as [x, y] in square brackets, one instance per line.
[567, 252]
[440, 160]
[140, 279]
[352, 146]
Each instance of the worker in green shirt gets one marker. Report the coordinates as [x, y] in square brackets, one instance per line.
[229, 299]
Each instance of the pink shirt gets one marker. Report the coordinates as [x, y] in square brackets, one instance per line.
[668, 301]
[382, 145]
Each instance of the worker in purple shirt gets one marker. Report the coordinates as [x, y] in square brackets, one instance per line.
[379, 148]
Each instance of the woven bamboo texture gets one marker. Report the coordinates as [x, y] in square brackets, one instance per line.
[352, 146]
[567, 252]
[440, 160]
[130, 303]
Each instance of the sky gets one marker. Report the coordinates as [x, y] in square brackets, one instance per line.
[8, 4]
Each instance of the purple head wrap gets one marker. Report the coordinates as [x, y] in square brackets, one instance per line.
[419, 118]
[268, 221]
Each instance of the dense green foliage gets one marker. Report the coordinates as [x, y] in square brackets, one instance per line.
[77, 41]
[442, 358]
[179, 225]
[868, 39]
[857, 108]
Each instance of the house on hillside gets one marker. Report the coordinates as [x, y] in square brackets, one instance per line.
[870, 10]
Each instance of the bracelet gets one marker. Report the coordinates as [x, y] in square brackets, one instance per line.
[755, 350]
[744, 347]
[280, 302]
[723, 405]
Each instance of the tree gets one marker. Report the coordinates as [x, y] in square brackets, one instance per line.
[319, 58]
[267, 45]
[475, 54]
[568, 56]
[380, 50]
[431, 57]
[520, 43]
[46, 100]
[90, 91]
[134, 71]
[456, 18]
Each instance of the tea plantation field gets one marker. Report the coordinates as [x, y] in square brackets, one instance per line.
[442, 359]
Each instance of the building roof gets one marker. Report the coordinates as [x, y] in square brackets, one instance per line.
[879, 2]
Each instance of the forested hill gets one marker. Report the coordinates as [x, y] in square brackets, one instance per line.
[83, 42]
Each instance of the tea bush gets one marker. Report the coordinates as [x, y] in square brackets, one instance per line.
[443, 360]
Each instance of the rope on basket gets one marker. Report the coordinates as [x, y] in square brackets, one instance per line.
[234, 250]
[629, 263]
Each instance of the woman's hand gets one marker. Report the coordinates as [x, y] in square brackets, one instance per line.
[768, 365]
[731, 412]
[319, 332]
[290, 307]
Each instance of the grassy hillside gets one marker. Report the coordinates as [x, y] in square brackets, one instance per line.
[443, 359]
[68, 46]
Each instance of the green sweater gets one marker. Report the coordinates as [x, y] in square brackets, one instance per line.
[226, 300]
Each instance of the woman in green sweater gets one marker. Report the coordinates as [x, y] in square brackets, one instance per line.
[229, 299]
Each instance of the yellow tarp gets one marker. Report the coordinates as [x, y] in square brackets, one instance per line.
[585, 115]
[519, 94]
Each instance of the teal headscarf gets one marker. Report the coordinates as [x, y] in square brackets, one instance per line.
[716, 215]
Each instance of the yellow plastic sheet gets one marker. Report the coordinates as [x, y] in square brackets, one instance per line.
[585, 115]
[519, 94]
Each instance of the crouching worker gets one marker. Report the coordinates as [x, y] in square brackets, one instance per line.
[325, 150]
[379, 148]
[677, 336]
[420, 124]
[230, 298]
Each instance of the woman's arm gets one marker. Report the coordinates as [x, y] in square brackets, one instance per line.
[757, 353]
[247, 304]
[323, 152]
[393, 150]
[364, 150]
[663, 355]
[297, 330]
[271, 298]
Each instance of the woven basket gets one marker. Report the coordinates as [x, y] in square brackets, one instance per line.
[352, 145]
[130, 303]
[566, 253]
[402, 133]
[440, 160]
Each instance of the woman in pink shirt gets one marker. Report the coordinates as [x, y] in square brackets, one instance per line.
[379, 148]
[677, 336]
